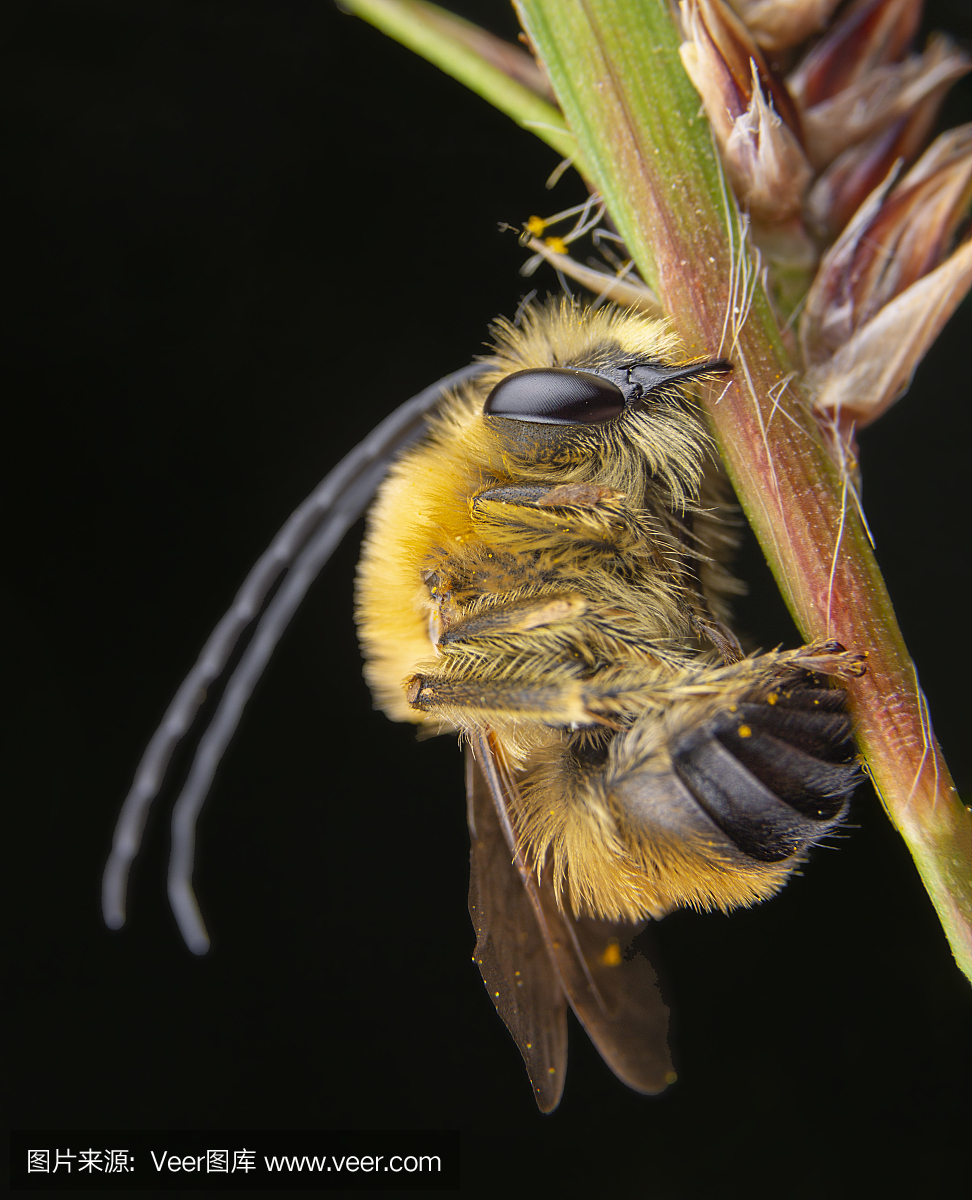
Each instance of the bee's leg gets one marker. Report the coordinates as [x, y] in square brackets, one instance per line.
[599, 524]
[720, 635]
[513, 617]
[471, 687]
[468, 701]
[587, 516]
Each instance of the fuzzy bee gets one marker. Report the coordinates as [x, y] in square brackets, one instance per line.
[545, 573]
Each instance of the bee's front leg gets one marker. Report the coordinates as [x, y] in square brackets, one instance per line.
[591, 519]
[592, 528]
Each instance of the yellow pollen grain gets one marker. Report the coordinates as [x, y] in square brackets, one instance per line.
[744, 731]
[556, 244]
[536, 225]
[772, 698]
[611, 956]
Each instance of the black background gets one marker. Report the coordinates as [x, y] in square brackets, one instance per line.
[240, 234]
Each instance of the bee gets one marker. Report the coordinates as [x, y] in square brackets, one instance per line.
[545, 573]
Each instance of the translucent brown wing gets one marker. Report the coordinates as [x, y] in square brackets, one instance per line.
[520, 929]
[613, 991]
[522, 980]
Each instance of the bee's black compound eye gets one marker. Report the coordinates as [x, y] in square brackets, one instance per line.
[556, 396]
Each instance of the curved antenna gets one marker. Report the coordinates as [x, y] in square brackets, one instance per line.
[302, 547]
[239, 688]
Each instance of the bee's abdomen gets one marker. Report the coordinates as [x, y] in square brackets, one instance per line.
[774, 777]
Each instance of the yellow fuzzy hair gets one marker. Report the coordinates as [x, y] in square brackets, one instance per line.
[422, 510]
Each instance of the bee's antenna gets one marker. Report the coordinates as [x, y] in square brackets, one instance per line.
[302, 547]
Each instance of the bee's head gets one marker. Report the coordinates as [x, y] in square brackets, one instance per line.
[560, 414]
[575, 394]
[571, 396]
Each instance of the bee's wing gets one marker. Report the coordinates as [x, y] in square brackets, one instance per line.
[520, 976]
[615, 998]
